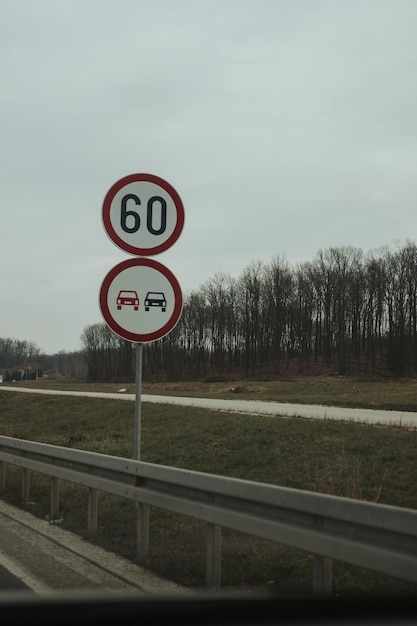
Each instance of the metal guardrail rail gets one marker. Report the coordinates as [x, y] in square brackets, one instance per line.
[378, 537]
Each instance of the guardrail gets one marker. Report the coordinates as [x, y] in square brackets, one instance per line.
[378, 537]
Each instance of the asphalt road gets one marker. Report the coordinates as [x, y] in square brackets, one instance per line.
[257, 407]
[41, 558]
[9, 582]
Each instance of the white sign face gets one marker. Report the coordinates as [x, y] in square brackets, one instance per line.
[143, 214]
[141, 300]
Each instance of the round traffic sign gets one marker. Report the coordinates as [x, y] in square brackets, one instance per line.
[141, 300]
[143, 214]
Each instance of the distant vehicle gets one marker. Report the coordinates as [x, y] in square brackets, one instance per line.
[155, 298]
[127, 298]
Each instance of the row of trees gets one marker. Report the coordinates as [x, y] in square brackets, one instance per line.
[15, 352]
[22, 359]
[344, 312]
[63, 364]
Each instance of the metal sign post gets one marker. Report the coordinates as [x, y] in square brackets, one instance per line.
[142, 520]
[141, 299]
[138, 400]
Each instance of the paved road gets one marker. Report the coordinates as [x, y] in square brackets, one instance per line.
[257, 407]
[42, 557]
[10, 582]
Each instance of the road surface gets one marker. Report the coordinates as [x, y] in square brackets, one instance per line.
[256, 407]
[41, 557]
[8, 581]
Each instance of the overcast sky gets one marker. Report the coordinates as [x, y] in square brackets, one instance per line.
[286, 126]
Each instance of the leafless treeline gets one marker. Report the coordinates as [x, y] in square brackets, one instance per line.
[343, 312]
[16, 352]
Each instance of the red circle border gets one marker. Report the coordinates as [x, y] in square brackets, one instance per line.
[118, 241]
[140, 337]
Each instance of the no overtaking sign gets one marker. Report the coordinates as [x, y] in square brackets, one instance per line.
[141, 300]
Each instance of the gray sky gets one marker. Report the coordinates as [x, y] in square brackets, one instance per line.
[286, 126]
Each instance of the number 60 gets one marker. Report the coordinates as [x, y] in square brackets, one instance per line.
[129, 215]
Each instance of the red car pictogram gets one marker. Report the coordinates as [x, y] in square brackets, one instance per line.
[127, 298]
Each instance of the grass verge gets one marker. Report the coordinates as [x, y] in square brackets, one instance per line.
[353, 460]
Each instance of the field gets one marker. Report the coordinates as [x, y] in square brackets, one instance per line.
[352, 460]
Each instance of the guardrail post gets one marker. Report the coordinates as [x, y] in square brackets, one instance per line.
[214, 555]
[142, 537]
[2, 476]
[92, 510]
[55, 485]
[25, 485]
[322, 576]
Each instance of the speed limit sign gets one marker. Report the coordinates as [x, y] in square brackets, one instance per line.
[143, 214]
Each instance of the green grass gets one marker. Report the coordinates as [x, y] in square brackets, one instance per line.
[352, 460]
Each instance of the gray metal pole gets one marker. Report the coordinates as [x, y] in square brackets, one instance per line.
[142, 534]
[138, 400]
